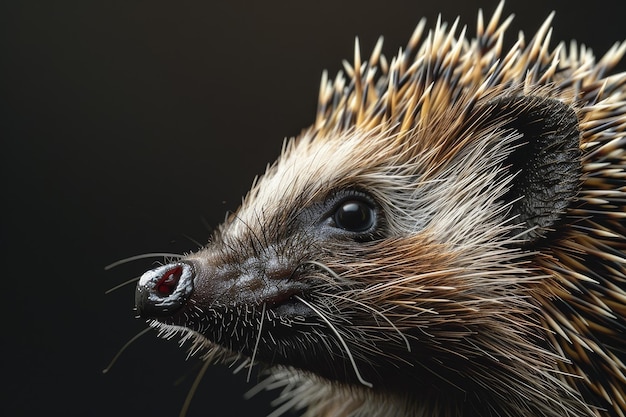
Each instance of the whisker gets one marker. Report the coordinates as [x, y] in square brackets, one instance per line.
[256, 344]
[118, 286]
[341, 340]
[194, 387]
[373, 310]
[127, 344]
[326, 269]
[143, 256]
[253, 238]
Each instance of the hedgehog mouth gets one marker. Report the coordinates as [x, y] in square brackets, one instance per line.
[280, 313]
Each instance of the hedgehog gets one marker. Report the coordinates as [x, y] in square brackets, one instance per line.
[447, 239]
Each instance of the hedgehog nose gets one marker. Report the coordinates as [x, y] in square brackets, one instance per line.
[162, 291]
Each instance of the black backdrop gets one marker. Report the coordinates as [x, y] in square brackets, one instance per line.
[128, 127]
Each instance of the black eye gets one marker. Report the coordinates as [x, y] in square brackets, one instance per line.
[355, 216]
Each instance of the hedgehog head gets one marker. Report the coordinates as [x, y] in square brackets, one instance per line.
[436, 237]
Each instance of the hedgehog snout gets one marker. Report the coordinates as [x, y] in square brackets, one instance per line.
[164, 290]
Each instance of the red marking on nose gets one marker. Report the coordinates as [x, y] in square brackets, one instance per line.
[169, 280]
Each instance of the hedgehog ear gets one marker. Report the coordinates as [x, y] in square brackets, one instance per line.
[546, 162]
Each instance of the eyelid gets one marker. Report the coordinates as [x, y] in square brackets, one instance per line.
[341, 196]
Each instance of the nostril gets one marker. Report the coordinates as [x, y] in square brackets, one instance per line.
[164, 290]
[169, 281]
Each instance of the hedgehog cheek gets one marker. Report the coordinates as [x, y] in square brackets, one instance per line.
[546, 162]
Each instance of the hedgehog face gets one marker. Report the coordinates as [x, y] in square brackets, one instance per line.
[387, 258]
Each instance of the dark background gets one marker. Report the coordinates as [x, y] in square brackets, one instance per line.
[128, 127]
